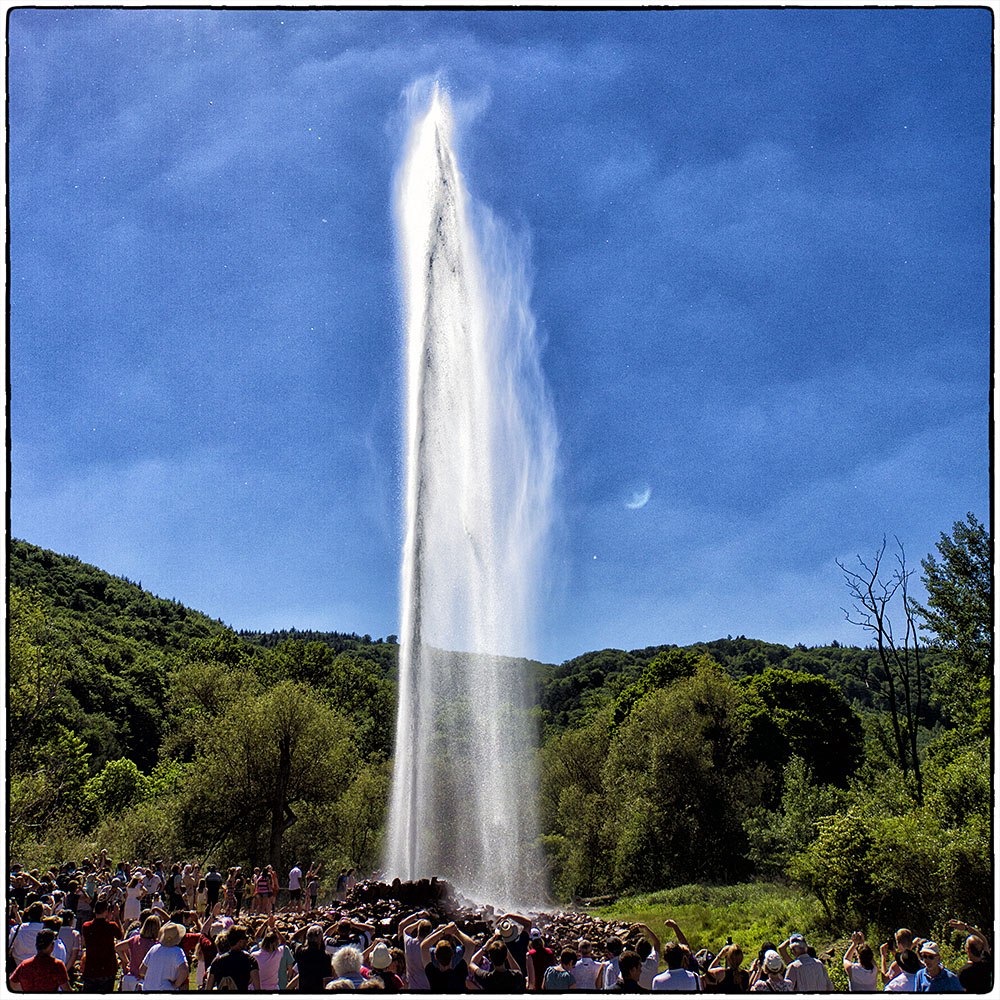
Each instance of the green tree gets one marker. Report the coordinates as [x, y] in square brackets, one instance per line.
[789, 714]
[959, 612]
[119, 785]
[666, 667]
[263, 757]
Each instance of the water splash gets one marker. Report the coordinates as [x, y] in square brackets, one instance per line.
[480, 445]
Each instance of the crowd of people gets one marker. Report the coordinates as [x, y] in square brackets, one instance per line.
[98, 928]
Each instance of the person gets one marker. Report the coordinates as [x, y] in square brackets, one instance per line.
[295, 888]
[264, 891]
[165, 967]
[99, 967]
[445, 971]
[585, 970]
[772, 975]
[502, 974]
[133, 896]
[908, 963]
[412, 930]
[676, 978]
[859, 966]
[560, 977]
[629, 970]
[903, 939]
[608, 975]
[133, 951]
[236, 963]
[726, 974]
[150, 883]
[976, 976]
[72, 942]
[21, 940]
[648, 949]
[274, 960]
[347, 965]
[312, 884]
[341, 889]
[540, 958]
[380, 959]
[41, 973]
[934, 977]
[515, 928]
[190, 877]
[313, 963]
[803, 973]
[213, 886]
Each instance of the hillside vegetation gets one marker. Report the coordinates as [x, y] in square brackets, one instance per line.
[862, 774]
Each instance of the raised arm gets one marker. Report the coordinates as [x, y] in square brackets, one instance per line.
[407, 922]
[474, 967]
[850, 956]
[783, 952]
[650, 936]
[969, 931]
[432, 939]
[520, 918]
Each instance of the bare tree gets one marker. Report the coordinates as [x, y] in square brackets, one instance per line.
[877, 595]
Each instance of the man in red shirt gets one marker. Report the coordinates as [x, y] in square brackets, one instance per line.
[100, 963]
[43, 973]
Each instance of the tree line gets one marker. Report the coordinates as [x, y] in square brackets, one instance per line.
[152, 729]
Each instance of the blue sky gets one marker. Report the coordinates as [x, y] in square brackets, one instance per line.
[760, 256]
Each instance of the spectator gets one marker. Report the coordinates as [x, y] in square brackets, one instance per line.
[382, 962]
[586, 968]
[21, 940]
[648, 949]
[515, 929]
[165, 967]
[99, 968]
[560, 977]
[274, 961]
[772, 975]
[235, 963]
[859, 966]
[976, 976]
[213, 887]
[72, 942]
[540, 957]
[676, 978]
[934, 977]
[313, 963]
[610, 973]
[347, 965]
[41, 973]
[295, 888]
[446, 971]
[493, 969]
[412, 930]
[312, 885]
[133, 951]
[909, 965]
[904, 942]
[725, 972]
[629, 970]
[804, 974]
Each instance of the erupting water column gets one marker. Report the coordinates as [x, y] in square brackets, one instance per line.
[480, 453]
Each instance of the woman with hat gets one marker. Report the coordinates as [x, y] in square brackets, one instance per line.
[165, 967]
[772, 975]
[379, 959]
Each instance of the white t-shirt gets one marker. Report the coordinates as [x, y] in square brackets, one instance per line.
[650, 966]
[162, 964]
[415, 975]
[862, 980]
[23, 938]
[905, 982]
[295, 878]
[585, 972]
[676, 980]
[151, 883]
[611, 973]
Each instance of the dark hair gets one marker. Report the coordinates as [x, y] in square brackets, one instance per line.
[629, 962]
[866, 957]
[443, 952]
[44, 938]
[975, 948]
[67, 917]
[643, 949]
[909, 961]
[100, 906]
[673, 955]
[567, 955]
[614, 946]
[423, 928]
[497, 953]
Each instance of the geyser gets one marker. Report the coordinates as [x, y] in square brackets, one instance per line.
[480, 449]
